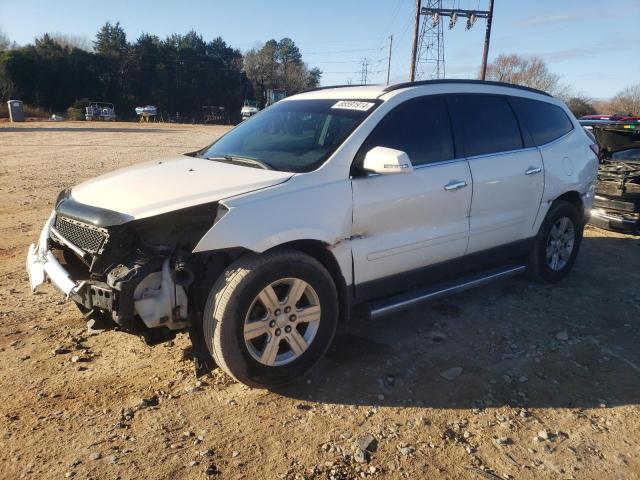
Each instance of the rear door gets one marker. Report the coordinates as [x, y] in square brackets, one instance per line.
[508, 177]
[405, 221]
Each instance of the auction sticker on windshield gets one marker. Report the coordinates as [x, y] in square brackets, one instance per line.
[353, 105]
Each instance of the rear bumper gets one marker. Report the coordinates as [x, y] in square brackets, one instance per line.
[614, 221]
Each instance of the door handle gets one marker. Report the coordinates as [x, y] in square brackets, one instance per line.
[532, 170]
[455, 185]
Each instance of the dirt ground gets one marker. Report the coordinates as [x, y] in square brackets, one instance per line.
[547, 385]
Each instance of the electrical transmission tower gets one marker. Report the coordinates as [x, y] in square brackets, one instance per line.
[430, 55]
[364, 72]
[428, 43]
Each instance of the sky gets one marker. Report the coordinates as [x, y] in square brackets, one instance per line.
[594, 50]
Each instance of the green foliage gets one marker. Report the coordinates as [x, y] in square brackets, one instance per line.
[279, 65]
[181, 73]
[111, 40]
[4, 42]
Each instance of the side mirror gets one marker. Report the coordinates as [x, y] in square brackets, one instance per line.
[385, 160]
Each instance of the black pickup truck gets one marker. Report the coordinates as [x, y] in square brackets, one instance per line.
[617, 201]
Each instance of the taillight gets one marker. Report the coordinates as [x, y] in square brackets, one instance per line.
[595, 149]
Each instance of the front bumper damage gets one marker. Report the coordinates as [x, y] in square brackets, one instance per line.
[43, 265]
[137, 294]
[616, 204]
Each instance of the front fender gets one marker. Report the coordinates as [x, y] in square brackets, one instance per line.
[261, 221]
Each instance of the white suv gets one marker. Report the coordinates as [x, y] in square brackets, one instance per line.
[261, 243]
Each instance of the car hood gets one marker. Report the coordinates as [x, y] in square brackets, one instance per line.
[617, 137]
[160, 186]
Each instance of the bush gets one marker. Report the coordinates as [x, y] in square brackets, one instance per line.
[34, 112]
[75, 113]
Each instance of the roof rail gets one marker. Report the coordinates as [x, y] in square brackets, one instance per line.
[338, 86]
[398, 86]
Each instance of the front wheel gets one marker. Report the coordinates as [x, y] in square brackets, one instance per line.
[269, 318]
[556, 246]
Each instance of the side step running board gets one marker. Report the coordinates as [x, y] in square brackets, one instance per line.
[408, 300]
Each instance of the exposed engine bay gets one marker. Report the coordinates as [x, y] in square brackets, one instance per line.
[134, 273]
[616, 204]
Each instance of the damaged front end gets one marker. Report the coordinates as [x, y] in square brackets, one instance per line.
[616, 204]
[134, 273]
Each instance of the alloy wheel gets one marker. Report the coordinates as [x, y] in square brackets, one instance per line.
[560, 243]
[282, 321]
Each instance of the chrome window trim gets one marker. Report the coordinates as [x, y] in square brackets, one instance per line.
[415, 167]
[438, 163]
[558, 139]
[507, 152]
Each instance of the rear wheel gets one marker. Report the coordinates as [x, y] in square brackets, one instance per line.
[557, 243]
[269, 318]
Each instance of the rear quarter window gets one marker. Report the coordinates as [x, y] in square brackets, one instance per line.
[544, 121]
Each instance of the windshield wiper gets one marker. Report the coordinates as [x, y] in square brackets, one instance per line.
[245, 160]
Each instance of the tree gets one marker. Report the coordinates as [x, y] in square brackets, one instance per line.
[180, 73]
[71, 41]
[111, 40]
[5, 43]
[580, 106]
[313, 78]
[627, 101]
[288, 52]
[528, 71]
[279, 65]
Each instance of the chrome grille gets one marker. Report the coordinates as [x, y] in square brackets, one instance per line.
[82, 235]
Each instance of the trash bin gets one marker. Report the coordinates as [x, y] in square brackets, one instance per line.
[16, 110]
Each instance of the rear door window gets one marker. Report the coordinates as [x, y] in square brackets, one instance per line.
[545, 122]
[421, 128]
[487, 124]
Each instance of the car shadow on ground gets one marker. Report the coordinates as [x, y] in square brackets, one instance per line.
[86, 129]
[569, 345]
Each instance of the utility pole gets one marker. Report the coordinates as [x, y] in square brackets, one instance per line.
[487, 37]
[389, 64]
[414, 48]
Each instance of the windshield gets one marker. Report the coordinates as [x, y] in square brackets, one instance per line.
[292, 136]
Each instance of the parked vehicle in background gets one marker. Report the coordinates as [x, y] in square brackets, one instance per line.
[377, 196]
[249, 109]
[616, 205]
[589, 124]
[147, 113]
[100, 111]
[595, 117]
[613, 118]
[274, 96]
[214, 114]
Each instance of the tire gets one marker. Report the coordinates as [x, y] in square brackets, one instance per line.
[550, 262]
[241, 297]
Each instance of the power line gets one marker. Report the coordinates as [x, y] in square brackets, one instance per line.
[344, 51]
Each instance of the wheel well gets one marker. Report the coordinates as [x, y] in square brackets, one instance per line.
[321, 253]
[575, 199]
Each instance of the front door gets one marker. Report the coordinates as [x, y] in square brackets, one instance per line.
[405, 221]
